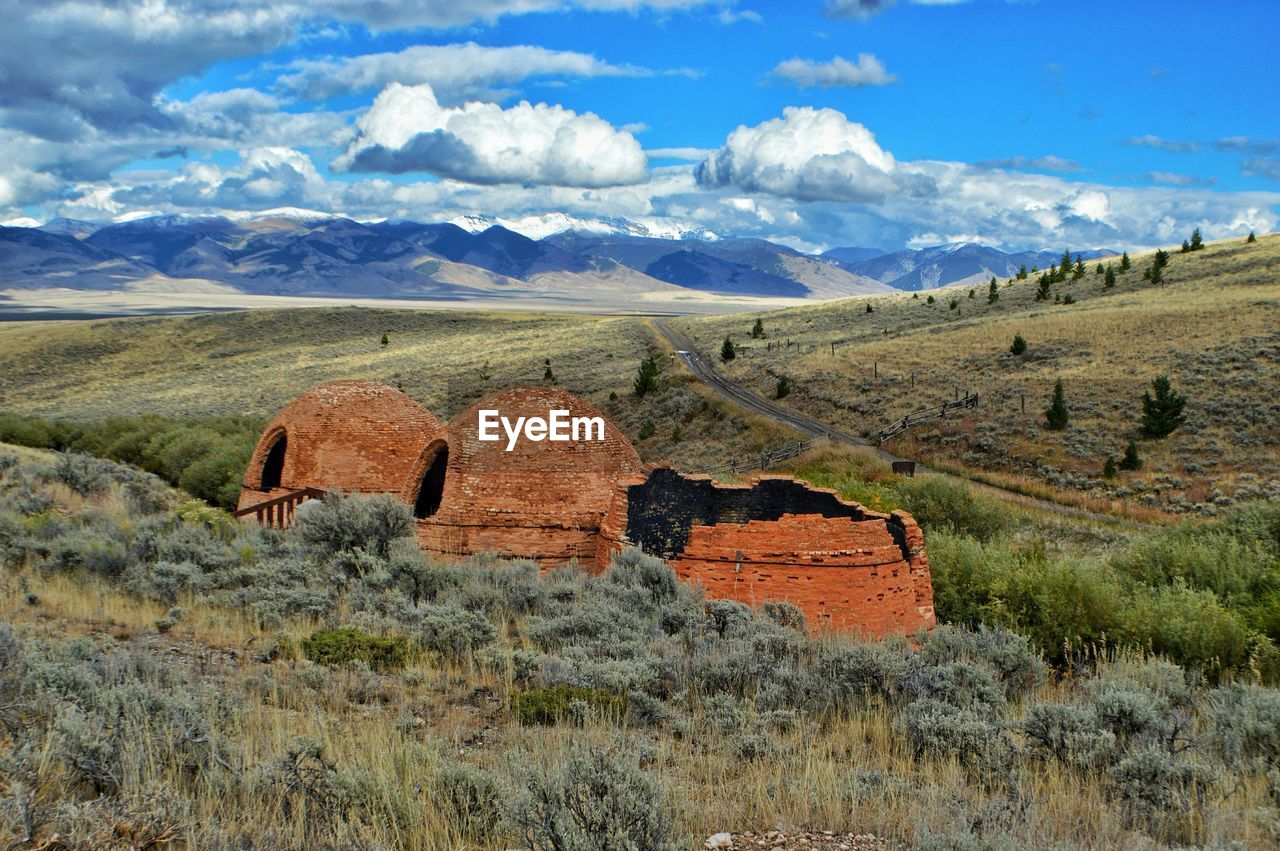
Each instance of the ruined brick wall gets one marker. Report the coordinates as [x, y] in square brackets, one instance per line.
[352, 436]
[541, 500]
[778, 539]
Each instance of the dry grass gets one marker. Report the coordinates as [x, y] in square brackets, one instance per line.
[1212, 329]
[254, 362]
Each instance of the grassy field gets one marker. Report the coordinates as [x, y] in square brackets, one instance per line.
[1213, 328]
[253, 362]
[164, 685]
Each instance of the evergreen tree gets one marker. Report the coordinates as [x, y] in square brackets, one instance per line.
[757, 330]
[1066, 262]
[1252, 237]
[955, 302]
[728, 351]
[1019, 345]
[1022, 272]
[971, 293]
[870, 309]
[1162, 413]
[646, 377]
[1131, 461]
[993, 292]
[1109, 468]
[676, 434]
[548, 376]
[1124, 262]
[1056, 415]
[386, 340]
[929, 300]
[1186, 247]
[1109, 279]
[1099, 270]
[1044, 289]
[784, 388]
[1197, 240]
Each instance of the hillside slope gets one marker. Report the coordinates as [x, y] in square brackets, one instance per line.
[1212, 329]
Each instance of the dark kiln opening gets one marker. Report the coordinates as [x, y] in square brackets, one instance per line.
[273, 467]
[432, 487]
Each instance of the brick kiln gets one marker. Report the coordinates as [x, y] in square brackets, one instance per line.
[773, 539]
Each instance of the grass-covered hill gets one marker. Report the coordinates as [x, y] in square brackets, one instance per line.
[170, 678]
[1211, 327]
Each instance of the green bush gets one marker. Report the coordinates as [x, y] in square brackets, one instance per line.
[346, 645]
[598, 799]
[558, 703]
[936, 502]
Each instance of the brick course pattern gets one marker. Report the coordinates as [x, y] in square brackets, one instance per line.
[542, 500]
[351, 436]
[775, 538]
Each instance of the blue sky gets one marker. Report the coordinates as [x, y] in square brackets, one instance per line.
[1017, 124]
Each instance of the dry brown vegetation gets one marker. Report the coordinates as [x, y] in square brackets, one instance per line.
[285, 753]
[1213, 328]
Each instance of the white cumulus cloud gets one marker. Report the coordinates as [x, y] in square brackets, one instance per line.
[407, 130]
[810, 155]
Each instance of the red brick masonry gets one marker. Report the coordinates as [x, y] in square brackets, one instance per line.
[773, 539]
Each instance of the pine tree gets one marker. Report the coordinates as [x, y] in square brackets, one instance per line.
[1197, 240]
[1044, 289]
[1162, 413]
[1186, 247]
[1056, 415]
[1131, 461]
[1066, 262]
[1022, 272]
[1252, 237]
[386, 340]
[757, 330]
[1109, 279]
[1124, 262]
[1109, 468]
[971, 293]
[1099, 270]
[929, 300]
[1019, 345]
[646, 377]
[728, 351]
[548, 376]
[993, 292]
[784, 388]
[870, 309]
[955, 302]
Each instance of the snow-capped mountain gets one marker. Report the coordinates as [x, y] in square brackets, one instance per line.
[551, 224]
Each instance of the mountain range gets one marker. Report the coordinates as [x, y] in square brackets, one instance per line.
[295, 252]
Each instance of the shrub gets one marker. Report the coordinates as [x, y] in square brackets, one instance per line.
[81, 473]
[345, 646]
[942, 729]
[472, 799]
[343, 524]
[555, 704]
[1070, 734]
[1246, 724]
[1019, 345]
[595, 800]
[450, 630]
[935, 502]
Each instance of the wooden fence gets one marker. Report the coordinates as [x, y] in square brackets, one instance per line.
[917, 417]
[760, 462]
